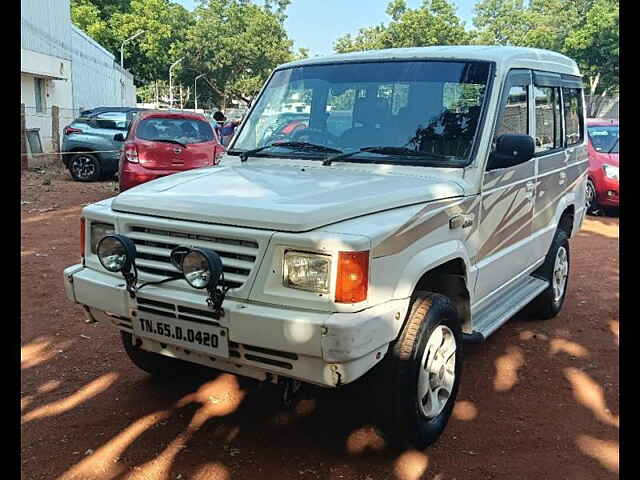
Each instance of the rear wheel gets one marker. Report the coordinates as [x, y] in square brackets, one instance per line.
[555, 270]
[85, 167]
[419, 378]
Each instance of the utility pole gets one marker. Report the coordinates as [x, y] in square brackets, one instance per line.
[171, 82]
[195, 88]
[122, 46]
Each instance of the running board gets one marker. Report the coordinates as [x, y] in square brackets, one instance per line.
[498, 311]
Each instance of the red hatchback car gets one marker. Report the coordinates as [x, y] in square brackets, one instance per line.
[603, 186]
[160, 143]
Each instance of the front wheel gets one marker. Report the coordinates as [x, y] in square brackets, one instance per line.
[420, 376]
[153, 363]
[591, 199]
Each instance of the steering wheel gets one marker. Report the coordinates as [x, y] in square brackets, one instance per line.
[314, 135]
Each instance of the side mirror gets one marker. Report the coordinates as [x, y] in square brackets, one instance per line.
[511, 150]
[118, 137]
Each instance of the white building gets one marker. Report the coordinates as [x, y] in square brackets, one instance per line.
[62, 66]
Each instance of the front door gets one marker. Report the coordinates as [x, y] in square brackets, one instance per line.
[505, 249]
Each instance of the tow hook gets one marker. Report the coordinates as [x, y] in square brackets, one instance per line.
[290, 390]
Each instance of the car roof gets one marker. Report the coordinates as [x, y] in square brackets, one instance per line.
[504, 57]
[602, 121]
[93, 111]
[171, 114]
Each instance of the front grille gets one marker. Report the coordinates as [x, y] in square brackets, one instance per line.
[154, 246]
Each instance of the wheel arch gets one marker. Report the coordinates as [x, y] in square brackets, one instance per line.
[449, 275]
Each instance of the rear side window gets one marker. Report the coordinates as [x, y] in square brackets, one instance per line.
[514, 119]
[110, 120]
[573, 115]
[185, 131]
[548, 121]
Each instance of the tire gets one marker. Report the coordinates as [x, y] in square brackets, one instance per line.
[154, 364]
[549, 303]
[405, 422]
[85, 167]
[591, 200]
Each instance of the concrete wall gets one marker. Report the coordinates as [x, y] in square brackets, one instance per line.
[98, 79]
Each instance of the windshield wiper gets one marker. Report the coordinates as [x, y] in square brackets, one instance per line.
[294, 145]
[394, 151]
[166, 140]
[614, 145]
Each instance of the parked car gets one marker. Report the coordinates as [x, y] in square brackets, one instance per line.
[436, 214]
[160, 143]
[603, 187]
[90, 151]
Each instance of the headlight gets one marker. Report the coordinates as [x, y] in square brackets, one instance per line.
[116, 253]
[306, 271]
[202, 268]
[98, 231]
[611, 172]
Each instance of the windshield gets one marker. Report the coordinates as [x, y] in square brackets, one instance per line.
[183, 130]
[604, 138]
[430, 107]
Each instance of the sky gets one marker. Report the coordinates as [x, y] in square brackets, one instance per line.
[317, 24]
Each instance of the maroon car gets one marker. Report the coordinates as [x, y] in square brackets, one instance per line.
[160, 143]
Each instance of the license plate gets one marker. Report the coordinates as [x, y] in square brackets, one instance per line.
[208, 339]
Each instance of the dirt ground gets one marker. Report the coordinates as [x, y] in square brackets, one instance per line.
[537, 400]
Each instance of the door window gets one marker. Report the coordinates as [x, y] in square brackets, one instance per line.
[548, 123]
[573, 115]
[514, 118]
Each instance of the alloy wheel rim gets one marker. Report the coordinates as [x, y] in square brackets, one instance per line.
[83, 167]
[437, 371]
[560, 273]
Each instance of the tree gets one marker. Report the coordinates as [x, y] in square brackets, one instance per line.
[595, 46]
[237, 44]
[433, 23]
[585, 30]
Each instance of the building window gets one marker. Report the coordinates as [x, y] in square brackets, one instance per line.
[548, 124]
[39, 89]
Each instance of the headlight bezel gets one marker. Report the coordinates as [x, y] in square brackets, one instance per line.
[287, 261]
[611, 171]
[95, 236]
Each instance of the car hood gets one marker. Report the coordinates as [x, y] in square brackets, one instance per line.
[283, 197]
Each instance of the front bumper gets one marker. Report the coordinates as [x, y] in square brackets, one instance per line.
[608, 192]
[324, 348]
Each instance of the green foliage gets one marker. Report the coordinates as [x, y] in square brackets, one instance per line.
[237, 44]
[433, 23]
[585, 30]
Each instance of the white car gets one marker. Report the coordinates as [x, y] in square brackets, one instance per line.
[428, 195]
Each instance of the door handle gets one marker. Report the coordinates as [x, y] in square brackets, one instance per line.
[530, 186]
[563, 178]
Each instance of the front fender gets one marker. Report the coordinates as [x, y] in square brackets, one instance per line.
[427, 260]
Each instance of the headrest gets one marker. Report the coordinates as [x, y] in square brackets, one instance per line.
[369, 111]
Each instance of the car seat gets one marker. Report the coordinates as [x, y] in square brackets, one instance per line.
[370, 116]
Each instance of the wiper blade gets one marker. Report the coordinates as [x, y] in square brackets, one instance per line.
[614, 145]
[396, 151]
[294, 145]
[166, 140]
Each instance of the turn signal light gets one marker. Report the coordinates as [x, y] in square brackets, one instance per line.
[353, 277]
[82, 230]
